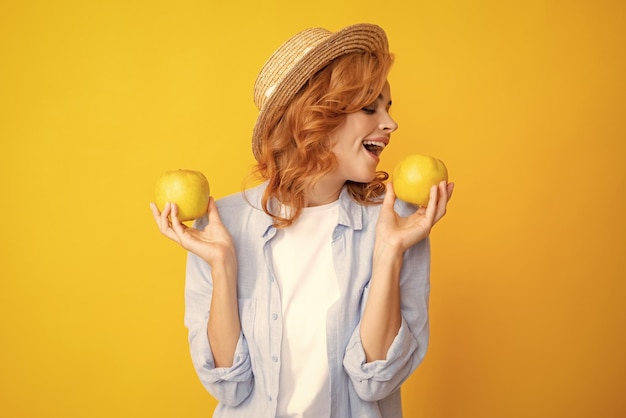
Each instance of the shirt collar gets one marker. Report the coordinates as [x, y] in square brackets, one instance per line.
[350, 212]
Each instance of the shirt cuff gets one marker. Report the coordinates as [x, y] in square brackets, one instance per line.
[400, 352]
[240, 371]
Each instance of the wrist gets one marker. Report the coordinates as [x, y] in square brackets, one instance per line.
[224, 270]
[388, 251]
[387, 258]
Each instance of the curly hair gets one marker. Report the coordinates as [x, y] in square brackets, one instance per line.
[297, 152]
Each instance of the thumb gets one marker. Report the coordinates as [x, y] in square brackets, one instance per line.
[390, 196]
[212, 212]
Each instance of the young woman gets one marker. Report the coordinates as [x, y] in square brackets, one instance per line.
[307, 296]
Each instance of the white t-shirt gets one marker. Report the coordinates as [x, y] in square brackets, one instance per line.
[303, 264]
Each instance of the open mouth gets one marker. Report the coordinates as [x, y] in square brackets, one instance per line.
[374, 147]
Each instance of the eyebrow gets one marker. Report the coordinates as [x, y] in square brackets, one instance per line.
[380, 97]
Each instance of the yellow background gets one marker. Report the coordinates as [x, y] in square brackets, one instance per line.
[524, 101]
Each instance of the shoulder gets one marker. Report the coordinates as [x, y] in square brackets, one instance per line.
[245, 197]
[238, 208]
[243, 211]
[244, 200]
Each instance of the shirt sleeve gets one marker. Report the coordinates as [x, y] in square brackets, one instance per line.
[378, 379]
[229, 385]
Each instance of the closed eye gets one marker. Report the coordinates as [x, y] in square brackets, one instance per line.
[371, 109]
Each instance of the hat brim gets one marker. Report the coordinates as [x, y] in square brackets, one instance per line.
[355, 38]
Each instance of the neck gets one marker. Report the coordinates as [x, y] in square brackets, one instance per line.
[323, 192]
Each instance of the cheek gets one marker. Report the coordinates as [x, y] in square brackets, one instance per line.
[350, 134]
[338, 139]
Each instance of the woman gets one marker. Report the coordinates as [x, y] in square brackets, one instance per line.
[307, 296]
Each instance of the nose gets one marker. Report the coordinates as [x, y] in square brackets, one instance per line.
[387, 124]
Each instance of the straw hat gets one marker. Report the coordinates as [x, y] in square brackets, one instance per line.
[297, 60]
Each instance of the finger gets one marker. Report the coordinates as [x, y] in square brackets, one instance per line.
[442, 201]
[450, 190]
[162, 220]
[155, 212]
[390, 196]
[166, 221]
[432, 205]
[157, 216]
[177, 225]
[165, 214]
[213, 213]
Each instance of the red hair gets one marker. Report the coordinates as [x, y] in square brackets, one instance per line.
[296, 152]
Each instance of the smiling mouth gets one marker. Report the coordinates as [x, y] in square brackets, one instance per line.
[374, 147]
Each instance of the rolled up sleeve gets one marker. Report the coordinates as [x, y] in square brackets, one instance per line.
[378, 379]
[229, 385]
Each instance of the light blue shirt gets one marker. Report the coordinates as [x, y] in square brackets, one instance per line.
[358, 389]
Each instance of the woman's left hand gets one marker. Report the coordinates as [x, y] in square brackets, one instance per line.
[404, 232]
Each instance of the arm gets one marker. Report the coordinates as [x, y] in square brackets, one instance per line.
[215, 246]
[382, 317]
[230, 385]
[378, 360]
[218, 349]
[223, 330]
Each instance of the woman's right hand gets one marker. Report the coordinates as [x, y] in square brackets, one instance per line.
[213, 244]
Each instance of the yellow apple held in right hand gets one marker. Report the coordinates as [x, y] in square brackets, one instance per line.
[189, 189]
[414, 175]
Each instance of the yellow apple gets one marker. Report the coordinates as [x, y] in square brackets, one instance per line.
[414, 175]
[189, 189]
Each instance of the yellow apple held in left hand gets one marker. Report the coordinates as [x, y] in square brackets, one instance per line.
[413, 177]
[189, 189]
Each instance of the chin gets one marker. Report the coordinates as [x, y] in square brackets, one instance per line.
[363, 179]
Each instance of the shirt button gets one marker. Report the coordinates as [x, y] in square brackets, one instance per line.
[274, 359]
[274, 316]
[269, 398]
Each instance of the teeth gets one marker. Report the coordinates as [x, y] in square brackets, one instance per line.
[377, 144]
